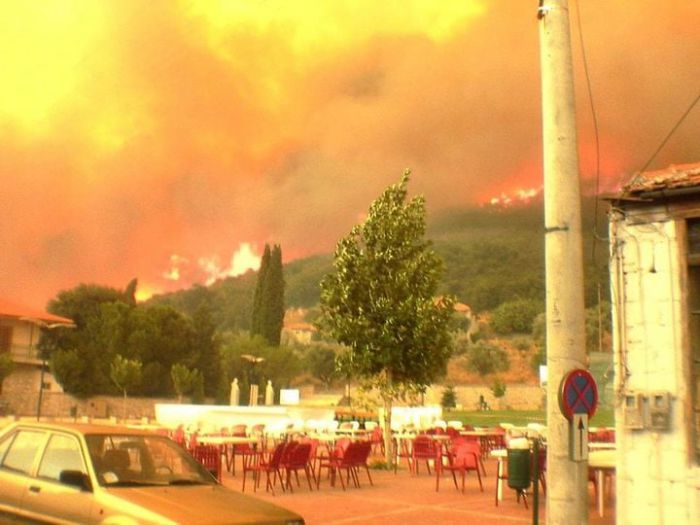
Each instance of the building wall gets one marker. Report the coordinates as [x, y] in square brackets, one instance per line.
[25, 336]
[657, 478]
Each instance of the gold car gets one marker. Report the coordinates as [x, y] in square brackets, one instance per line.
[110, 475]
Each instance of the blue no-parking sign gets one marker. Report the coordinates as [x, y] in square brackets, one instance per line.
[578, 400]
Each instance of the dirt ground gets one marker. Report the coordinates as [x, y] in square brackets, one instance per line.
[406, 498]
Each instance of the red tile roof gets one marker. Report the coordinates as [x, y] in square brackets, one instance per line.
[671, 178]
[16, 310]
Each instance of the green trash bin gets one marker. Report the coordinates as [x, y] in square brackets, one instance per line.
[519, 469]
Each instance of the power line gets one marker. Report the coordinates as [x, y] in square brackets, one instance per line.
[595, 130]
[670, 133]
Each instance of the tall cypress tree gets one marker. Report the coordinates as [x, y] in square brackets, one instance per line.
[257, 320]
[275, 298]
[268, 301]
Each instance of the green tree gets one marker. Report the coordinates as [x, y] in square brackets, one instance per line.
[516, 317]
[449, 397]
[69, 369]
[268, 300]
[539, 336]
[598, 327]
[130, 292]
[486, 358]
[89, 306]
[320, 361]
[498, 388]
[183, 379]
[277, 364]
[160, 336]
[198, 387]
[257, 322]
[207, 358]
[126, 374]
[380, 301]
[109, 323]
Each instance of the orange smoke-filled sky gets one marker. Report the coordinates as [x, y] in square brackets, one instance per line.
[159, 139]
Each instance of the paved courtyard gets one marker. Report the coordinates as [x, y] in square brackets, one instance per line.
[405, 498]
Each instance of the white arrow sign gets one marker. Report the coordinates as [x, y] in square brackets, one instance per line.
[578, 437]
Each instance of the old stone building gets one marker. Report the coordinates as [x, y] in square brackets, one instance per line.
[20, 328]
[655, 287]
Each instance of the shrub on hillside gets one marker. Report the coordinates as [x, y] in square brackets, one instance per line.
[449, 397]
[515, 317]
[487, 358]
[498, 389]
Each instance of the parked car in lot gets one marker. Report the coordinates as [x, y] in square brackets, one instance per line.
[111, 475]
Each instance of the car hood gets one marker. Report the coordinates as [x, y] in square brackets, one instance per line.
[210, 505]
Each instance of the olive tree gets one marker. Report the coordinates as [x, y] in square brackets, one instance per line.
[380, 302]
[126, 374]
[184, 380]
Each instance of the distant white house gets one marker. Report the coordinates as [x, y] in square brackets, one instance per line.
[20, 328]
[655, 288]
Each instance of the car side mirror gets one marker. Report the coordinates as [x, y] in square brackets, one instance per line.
[75, 478]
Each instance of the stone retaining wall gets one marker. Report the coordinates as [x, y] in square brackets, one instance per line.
[21, 397]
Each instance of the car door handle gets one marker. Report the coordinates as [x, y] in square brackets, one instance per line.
[34, 488]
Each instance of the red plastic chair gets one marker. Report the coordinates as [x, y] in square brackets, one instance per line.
[210, 457]
[179, 436]
[452, 432]
[402, 449]
[475, 442]
[193, 441]
[294, 461]
[271, 466]
[341, 460]
[377, 440]
[360, 458]
[463, 456]
[424, 448]
[313, 454]
[246, 450]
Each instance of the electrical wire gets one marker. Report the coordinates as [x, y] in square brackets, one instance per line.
[595, 129]
[666, 139]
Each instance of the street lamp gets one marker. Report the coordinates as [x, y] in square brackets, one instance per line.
[46, 326]
[253, 360]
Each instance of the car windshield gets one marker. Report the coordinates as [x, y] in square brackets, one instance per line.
[129, 460]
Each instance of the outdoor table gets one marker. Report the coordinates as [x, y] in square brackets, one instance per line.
[227, 440]
[223, 441]
[351, 432]
[601, 462]
[404, 442]
[601, 445]
[485, 437]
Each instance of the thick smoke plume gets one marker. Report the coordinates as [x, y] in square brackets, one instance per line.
[132, 132]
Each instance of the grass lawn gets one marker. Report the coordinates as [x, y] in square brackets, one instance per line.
[604, 417]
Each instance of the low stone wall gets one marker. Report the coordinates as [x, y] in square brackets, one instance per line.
[21, 399]
[517, 397]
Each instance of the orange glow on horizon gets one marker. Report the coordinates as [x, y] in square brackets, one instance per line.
[144, 292]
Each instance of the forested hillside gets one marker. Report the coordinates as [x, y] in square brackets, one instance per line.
[491, 255]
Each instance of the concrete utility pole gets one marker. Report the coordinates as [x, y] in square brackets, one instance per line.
[567, 496]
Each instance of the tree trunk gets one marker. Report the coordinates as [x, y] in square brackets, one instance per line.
[124, 407]
[388, 445]
[388, 402]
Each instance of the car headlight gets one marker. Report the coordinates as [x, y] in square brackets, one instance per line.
[294, 522]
